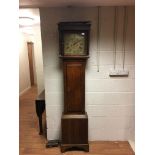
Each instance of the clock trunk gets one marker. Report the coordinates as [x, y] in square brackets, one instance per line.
[74, 86]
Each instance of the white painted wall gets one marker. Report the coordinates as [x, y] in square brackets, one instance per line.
[38, 58]
[109, 101]
[24, 73]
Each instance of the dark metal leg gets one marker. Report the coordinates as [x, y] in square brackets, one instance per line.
[40, 107]
[40, 125]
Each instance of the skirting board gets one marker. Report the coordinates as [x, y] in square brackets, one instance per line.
[22, 92]
[132, 144]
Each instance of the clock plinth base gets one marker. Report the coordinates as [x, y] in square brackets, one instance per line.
[74, 132]
[70, 147]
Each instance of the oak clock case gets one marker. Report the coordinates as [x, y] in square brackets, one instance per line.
[74, 51]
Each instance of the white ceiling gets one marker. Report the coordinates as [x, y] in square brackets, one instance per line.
[74, 3]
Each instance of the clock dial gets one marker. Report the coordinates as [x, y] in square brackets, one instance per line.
[74, 43]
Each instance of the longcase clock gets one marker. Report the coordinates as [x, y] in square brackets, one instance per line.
[74, 51]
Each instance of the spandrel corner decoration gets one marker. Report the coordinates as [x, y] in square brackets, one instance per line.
[74, 51]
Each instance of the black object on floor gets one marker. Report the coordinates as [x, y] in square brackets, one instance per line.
[52, 143]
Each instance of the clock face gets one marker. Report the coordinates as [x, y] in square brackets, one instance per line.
[74, 44]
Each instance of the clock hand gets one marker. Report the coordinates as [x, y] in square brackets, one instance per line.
[75, 42]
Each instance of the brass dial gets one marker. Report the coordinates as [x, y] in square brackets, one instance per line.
[74, 43]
